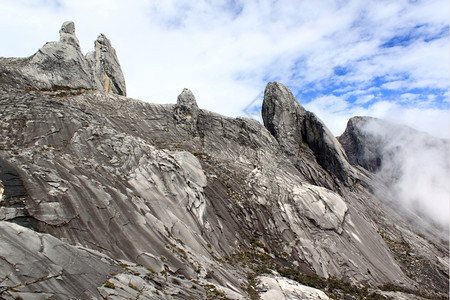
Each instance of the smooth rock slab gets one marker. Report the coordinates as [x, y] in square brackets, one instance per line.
[32, 262]
[281, 288]
[322, 206]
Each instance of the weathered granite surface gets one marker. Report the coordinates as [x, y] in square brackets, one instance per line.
[105, 66]
[202, 200]
[275, 287]
[36, 266]
[301, 135]
[62, 65]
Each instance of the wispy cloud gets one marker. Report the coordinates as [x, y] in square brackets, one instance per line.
[369, 56]
[416, 167]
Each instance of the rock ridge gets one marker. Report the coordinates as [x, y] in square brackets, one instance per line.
[62, 65]
[172, 201]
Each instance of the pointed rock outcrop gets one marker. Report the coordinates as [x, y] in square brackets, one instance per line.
[61, 65]
[67, 34]
[283, 116]
[186, 110]
[106, 67]
[57, 65]
[170, 201]
[362, 149]
[298, 131]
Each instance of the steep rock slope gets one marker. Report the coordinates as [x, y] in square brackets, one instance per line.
[413, 166]
[49, 265]
[362, 150]
[199, 199]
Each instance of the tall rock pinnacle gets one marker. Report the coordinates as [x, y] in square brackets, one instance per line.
[280, 111]
[67, 34]
[186, 111]
[296, 130]
[106, 67]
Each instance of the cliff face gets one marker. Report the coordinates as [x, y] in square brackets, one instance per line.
[303, 137]
[179, 201]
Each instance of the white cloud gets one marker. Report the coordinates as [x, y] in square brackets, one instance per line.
[335, 112]
[416, 167]
[365, 99]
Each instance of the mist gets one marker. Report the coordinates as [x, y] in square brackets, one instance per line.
[415, 166]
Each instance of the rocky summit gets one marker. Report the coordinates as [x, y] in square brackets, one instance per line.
[107, 197]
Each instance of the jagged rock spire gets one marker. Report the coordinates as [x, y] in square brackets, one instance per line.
[278, 111]
[186, 111]
[62, 65]
[106, 67]
[297, 129]
[187, 100]
[67, 34]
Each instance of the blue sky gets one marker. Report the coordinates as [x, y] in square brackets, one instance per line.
[388, 59]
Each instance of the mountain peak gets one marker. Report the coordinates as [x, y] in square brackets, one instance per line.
[67, 34]
[61, 65]
[300, 132]
[170, 201]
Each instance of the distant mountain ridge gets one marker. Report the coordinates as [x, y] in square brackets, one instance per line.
[126, 199]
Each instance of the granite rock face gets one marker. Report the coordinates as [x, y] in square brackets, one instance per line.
[37, 266]
[62, 65]
[186, 111]
[273, 287]
[40, 264]
[177, 202]
[301, 134]
[362, 149]
[67, 34]
[106, 68]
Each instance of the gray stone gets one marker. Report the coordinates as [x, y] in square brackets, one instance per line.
[62, 66]
[186, 111]
[300, 133]
[68, 27]
[40, 263]
[200, 201]
[106, 67]
[361, 149]
[67, 34]
[280, 288]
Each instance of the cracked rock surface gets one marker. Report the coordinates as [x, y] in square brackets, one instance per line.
[40, 264]
[177, 201]
[301, 135]
[274, 287]
[61, 65]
